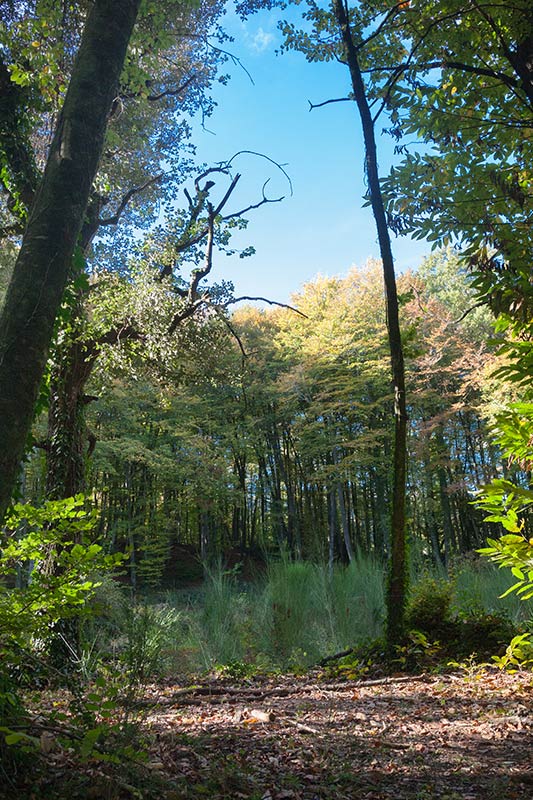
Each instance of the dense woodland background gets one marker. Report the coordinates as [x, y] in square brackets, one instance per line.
[274, 436]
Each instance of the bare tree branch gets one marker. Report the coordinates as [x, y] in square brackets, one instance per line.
[465, 314]
[389, 15]
[267, 158]
[236, 60]
[263, 300]
[171, 92]
[199, 274]
[253, 206]
[327, 102]
[226, 197]
[219, 169]
[126, 199]
[115, 335]
[185, 313]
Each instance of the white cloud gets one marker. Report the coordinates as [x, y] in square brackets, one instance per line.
[261, 41]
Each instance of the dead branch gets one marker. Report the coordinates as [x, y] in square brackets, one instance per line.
[197, 695]
[221, 169]
[235, 59]
[327, 102]
[171, 92]
[253, 206]
[185, 313]
[263, 300]
[299, 725]
[335, 657]
[267, 158]
[115, 335]
[214, 213]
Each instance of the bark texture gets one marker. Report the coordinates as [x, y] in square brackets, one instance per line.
[55, 220]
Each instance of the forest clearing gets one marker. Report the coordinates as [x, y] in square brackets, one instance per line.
[255, 545]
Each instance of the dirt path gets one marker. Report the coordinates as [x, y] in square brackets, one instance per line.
[452, 738]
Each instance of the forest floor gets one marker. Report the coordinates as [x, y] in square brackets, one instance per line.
[453, 737]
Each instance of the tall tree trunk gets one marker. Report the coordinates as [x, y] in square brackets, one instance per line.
[397, 588]
[332, 530]
[44, 262]
[430, 526]
[277, 504]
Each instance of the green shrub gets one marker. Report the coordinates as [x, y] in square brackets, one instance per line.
[48, 568]
[429, 604]
[220, 627]
[518, 654]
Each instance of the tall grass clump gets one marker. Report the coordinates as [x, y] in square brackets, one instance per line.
[306, 612]
[284, 619]
[218, 626]
[358, 598]
[149, 637]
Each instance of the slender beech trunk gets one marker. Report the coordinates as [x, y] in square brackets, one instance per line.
[332, 530]
[359, 544]
[44, 262]
[397, 587]
[345, 522]
[276, 476]
[430, 526]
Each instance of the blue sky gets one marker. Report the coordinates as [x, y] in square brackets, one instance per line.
[322, 227]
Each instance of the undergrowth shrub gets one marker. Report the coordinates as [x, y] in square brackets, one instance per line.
[299, 612]
[462, 618]
[290, 618]
[518, 654]
[138, 638]
[358, 598]
[292, 607]
[429, 604]
[49, 568]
